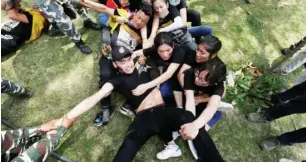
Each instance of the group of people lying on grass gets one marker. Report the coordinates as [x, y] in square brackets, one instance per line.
[186, 94]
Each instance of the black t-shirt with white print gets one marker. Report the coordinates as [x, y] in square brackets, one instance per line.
[180, 36]
[125, 83]
[18, 30]
[127, 36]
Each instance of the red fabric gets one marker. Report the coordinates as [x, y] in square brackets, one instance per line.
[111, 4]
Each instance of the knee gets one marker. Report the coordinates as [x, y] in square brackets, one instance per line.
[103, 19]
[208, 29]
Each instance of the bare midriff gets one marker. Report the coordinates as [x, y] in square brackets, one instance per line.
[153, 99]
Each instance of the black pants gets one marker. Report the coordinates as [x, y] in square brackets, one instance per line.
[9, 44]
[107, 70]
[194, 17]
[156, 120]
[289, 138]
[296, 103]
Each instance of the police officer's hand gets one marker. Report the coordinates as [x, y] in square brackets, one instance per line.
[189, 131]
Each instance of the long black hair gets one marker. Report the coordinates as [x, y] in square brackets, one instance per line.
[213, 44]
[163, 38]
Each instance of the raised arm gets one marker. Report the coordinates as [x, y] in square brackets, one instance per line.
[154, 27]
[90, 102]
[183, 12]
[98, 7]
[180, 74]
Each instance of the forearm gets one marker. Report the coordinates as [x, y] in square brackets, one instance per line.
[154, 27]
[183, 13]
[144, 33]
[204, 99]
[90, 102]
[208, 112]
[205, 117]
[178, 23]
[96, 6]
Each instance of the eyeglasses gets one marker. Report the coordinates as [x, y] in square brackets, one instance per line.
[205, 79]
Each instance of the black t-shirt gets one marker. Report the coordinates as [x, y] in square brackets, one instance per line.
[183, 4]
[210, 90]
[169, 19]
[178, 56]
[18, 30]
[127, 36]
[125, 83]
[135, 4]
[180, 36]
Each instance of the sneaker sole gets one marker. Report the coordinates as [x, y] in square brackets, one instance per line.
[173, 156]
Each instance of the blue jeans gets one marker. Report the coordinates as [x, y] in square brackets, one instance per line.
[199, 31]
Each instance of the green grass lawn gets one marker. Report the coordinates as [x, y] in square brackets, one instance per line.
[251, 34]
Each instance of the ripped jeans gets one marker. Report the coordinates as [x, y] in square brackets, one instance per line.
[156, 120]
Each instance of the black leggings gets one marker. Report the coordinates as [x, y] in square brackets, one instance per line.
[156, 120]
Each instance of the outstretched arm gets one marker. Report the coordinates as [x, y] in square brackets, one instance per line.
[91, 101]
[98, 7]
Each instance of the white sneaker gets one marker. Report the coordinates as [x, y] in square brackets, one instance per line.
[224, 107]
[169, 151]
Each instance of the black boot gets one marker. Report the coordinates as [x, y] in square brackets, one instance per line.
[294, 48]
[83, 47]
[90, 24]
[55, 31]
[26, 94]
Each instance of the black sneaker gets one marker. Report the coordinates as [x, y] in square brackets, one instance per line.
[90, 24]
[26, 94]
[55, 31]
[104, 116]
[269, 144]
[83, 47]
[126, 109]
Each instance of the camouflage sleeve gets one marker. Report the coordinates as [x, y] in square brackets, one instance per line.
[40, 151]
[14, 142]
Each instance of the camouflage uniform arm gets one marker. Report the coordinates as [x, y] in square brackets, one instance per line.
[40, 151]
[14, 141]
